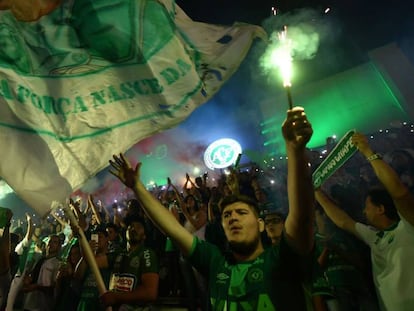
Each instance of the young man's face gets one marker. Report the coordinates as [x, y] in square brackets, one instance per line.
[93, 220]
[273, 226]
[53, 246]
[37, 232]
[75, 255]
[190, 203]
[135, 233]
[102, 241]
[112, 234]
[371, 211]
[242, 227]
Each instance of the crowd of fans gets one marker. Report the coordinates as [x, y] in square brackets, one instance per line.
[50, 272]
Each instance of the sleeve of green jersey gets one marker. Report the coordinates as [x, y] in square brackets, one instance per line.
[203, 254]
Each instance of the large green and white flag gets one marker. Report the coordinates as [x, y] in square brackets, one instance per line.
[81, 80]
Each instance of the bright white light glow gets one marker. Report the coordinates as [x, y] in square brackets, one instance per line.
[222, 153]
[196, 170]
[4, 189]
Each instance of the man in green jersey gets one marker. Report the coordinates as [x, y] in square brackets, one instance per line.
[250, 277]
[134, 279]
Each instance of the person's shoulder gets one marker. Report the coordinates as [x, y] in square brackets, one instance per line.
[142, 252]
[52, 259]
[362, 229]
[115, 253]
[51, 262]
[404, 226]
[203, 248]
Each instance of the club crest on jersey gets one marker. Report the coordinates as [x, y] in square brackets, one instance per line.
[255, 275]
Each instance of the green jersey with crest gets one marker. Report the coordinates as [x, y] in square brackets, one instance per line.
[271, 282]
[128, 269]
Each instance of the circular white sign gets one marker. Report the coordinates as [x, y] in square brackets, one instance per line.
[222, 153]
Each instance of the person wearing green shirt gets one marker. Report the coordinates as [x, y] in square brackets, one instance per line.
[134, 279]
[250, 277]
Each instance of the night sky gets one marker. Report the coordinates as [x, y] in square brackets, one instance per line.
[369, 23]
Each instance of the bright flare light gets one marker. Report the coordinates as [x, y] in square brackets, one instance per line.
[281, 57]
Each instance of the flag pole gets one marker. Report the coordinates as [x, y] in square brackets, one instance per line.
[87, 252]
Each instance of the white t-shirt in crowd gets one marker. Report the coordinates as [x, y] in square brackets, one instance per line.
[392, 256]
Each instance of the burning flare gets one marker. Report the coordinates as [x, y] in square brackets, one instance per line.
[282, 58]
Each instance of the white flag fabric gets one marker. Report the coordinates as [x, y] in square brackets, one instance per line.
[90, 78]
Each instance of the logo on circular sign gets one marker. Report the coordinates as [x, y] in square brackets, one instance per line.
[222, 153]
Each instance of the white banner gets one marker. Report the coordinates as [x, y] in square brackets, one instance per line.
[92, 78]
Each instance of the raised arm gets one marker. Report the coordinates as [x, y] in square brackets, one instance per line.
[403, 199]
[30, 227]
[155, 210]
[297, 132]
[199, 221]
[94, 209]
[194, 190]
[106, 211]
[75, 207]
[25, 242]
[177, 193]
[187, 180]
[340, 218]
[232, 181]
[58, 219]
[117, 220]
